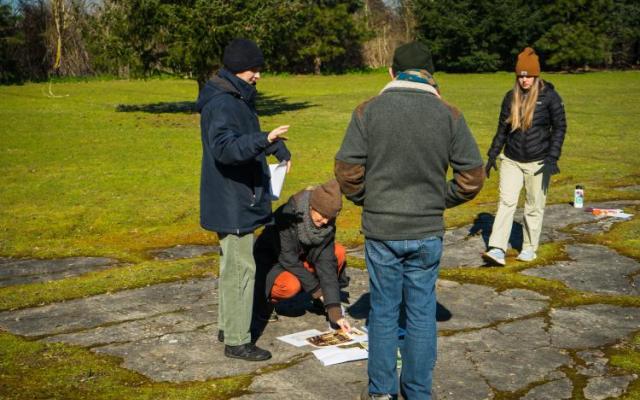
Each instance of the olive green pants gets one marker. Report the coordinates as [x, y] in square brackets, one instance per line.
[235, 287]
[513, 176]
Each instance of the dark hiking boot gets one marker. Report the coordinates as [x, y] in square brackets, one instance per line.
[247, 352]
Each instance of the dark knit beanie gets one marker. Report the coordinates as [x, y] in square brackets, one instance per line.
[414, 55]
[528, 64]
[242, 55]
[327, 199]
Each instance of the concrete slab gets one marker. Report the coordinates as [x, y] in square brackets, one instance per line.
[476, 306]
[21, 271]
[594, 269]
[184, 251]
[601, 388]
[491, 342]
[558, 390]
[592, 326]
[108, 309]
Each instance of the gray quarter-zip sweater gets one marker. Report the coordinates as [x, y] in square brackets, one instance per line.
[394, 160]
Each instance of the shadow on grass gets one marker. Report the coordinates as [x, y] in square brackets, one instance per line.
[267, 105]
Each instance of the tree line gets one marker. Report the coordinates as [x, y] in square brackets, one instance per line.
[138, 38]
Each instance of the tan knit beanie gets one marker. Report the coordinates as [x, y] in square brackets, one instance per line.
[327, 199]
[528, 64]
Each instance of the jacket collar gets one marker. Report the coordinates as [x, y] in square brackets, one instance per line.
[396, 84]
[238, 87]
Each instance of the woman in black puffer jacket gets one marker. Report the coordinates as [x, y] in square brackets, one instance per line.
[531, 128]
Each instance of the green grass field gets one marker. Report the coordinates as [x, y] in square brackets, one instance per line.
[79, 177]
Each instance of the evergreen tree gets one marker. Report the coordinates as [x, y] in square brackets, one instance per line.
[578, 36]
[10, 42]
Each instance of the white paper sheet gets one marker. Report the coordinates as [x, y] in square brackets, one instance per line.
[278, 172]
[337, 355]
[299, 339]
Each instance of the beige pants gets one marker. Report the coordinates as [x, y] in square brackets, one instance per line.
[514, 175]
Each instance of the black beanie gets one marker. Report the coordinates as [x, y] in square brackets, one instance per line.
[242, 55]
[414, 55]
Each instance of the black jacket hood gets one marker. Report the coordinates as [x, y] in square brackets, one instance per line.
[225, 82]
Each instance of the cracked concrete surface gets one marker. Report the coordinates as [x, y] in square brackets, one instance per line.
[184, 251]
[493, 342]
[594, 269]
[20, 271]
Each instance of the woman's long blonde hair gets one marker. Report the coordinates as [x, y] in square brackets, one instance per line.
[523, 104]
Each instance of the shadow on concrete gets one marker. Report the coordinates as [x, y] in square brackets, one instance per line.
[442, 313]
[360, 310]
[267, 105]
[296, 306]
[483, 225]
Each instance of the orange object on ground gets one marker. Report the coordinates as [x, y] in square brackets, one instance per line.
[287, 285]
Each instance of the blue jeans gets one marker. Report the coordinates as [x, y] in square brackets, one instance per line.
[402, 272]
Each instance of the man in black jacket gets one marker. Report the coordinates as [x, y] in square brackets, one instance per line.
[235, 194]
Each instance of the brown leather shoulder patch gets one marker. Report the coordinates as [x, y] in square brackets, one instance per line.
[349, 176]
[470, 181]
[361, 107]
[454, 110]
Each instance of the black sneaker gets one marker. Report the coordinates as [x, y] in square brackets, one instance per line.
[221, 336]
[317, 307]
[247, 352]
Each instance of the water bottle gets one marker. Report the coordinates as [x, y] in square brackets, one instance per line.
[578, 197]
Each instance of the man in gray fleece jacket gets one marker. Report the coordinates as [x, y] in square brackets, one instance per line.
[393, 162]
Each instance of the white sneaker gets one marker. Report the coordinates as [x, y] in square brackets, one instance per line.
[526, 255]
[494, 256]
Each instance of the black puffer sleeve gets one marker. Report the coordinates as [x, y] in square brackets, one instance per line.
[558, 124]
[503, 127]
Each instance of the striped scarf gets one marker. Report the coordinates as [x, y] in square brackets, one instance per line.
[418, 75]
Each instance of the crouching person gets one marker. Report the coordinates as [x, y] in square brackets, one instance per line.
[299, 253]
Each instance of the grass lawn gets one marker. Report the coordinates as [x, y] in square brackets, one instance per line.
[80, 178]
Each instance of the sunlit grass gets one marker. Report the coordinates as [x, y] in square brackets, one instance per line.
[36, 370]
[79, 178]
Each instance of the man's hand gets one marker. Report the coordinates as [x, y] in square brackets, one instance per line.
[491, 163]
[344, 325]
[288, 166]
[277, 134]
